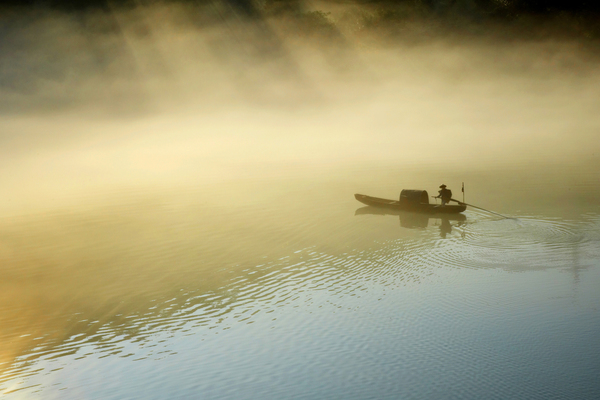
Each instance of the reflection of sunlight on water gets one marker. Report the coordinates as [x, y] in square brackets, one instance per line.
[116, 324]
[106, 279]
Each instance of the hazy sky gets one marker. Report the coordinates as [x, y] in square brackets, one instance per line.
[164, 95]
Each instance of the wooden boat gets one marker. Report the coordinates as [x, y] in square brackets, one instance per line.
[411, 200]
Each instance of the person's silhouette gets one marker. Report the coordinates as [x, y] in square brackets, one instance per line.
[444, 194]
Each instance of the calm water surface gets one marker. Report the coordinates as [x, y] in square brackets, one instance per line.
[246, 291]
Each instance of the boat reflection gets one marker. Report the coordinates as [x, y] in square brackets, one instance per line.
[413, 220]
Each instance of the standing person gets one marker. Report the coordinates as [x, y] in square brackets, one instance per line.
[444, 194]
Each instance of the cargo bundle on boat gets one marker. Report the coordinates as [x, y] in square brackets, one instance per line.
[411, 200]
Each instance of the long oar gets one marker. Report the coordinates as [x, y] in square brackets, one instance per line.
[471, 205]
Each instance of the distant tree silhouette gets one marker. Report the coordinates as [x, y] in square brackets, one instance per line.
[249, 7]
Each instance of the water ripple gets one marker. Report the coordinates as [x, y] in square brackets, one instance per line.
[527, 243]
[299, 279]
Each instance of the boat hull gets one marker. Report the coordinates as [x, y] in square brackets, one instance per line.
[413, 207]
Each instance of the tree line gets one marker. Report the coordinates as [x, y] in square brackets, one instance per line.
[492, 7]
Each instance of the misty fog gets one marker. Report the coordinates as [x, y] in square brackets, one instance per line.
[179, 94]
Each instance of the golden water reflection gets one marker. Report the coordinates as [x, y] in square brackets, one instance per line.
[106, 274]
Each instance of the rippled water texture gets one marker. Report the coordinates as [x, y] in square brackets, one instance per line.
[188, 247]
[161, 300]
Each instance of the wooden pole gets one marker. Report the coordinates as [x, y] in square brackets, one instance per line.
[483, 209]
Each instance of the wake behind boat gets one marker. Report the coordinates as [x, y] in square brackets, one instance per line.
[411, 200]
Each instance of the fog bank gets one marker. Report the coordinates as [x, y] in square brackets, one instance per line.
[179, 94]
